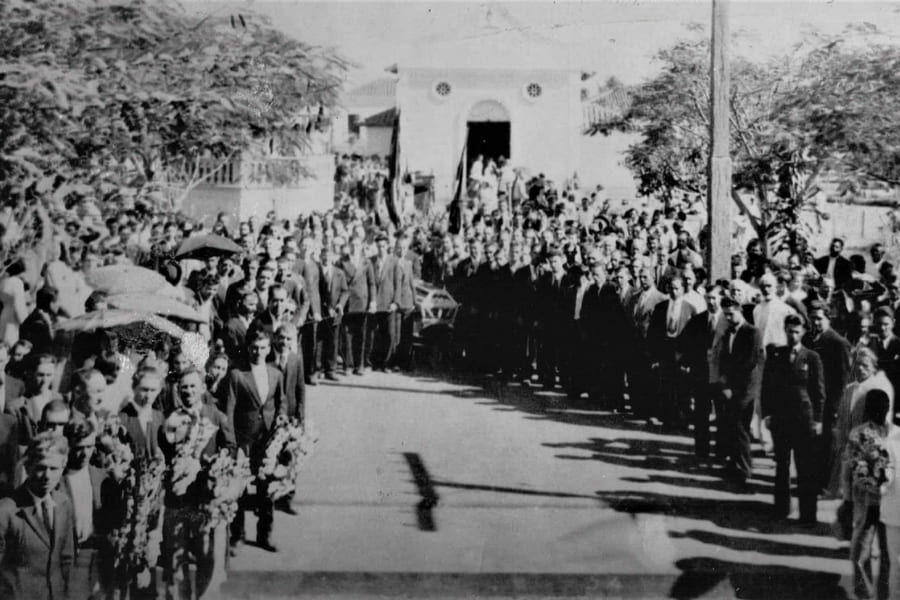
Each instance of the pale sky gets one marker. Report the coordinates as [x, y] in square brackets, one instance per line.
[610, 38]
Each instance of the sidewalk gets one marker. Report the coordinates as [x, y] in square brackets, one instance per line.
[429, 488]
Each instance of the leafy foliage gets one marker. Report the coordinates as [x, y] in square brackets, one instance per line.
[824, 117]
[136, 93]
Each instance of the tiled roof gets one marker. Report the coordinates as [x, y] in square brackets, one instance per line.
[386, 87]
[385, 118]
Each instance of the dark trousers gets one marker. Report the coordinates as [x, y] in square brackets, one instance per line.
[264, 508]
[310, 348]
[402, 333]
[379, 340]
[328, 339]
[738, 414]
[641, 381]
[703, 403]
[800, 440]
[552, 354]
[354, 325]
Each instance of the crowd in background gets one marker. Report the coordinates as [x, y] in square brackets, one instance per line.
[557, 288]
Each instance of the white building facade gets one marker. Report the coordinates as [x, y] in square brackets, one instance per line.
[500, 94]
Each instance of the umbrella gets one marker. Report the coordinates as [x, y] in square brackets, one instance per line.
[204, 246]
[114, 317]
[158, 305]
[129, 279]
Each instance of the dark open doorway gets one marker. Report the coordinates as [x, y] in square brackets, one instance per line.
[487, 138]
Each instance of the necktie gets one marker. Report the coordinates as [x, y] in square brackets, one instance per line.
[793, 355]
[712, 324]
[47, 515]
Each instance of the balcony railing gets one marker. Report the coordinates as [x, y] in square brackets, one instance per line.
[268, 171]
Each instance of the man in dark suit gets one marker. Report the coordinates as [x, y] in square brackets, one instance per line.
[10, 387]
[335, 294]
[601, 325]
[235, 333]
[310, 315]
[664, 337]
[140, 420]
[274, 315]
[39, 327]
[36, 526]
[82, 483]
[360, 303]
[184, 539]
[886, 345]
[835, 266]
[379, 338]
[741, 363]
[254, 396]
[793, 396]
[526, 278]
[556, 298]
[290, 364]
[404, 316]
[834, 350]
[702, 347]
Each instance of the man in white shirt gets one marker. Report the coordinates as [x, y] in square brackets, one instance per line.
[82, 482]
[769, 314]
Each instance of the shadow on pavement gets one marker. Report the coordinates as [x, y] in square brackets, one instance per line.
[764, 582]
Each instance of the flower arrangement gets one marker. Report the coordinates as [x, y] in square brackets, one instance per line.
[190, 436]
[227, 478]
[136, 541]
[870, 462]
[289, 446]
[115, 455]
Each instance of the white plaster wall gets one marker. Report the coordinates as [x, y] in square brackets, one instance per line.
[315, 193]
[544, 133]
[375, 140]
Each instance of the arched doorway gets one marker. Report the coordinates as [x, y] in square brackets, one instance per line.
[487, 132]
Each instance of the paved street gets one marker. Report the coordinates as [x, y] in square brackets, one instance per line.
[423, 487]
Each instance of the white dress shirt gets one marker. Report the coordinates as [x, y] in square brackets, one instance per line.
[83, 502]
[261, 379]
[768, 317]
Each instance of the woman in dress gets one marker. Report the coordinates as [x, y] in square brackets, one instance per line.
[851, 410]
[15, 303]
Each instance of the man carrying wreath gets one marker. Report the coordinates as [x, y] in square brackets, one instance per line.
[184, 538]
[253, 395]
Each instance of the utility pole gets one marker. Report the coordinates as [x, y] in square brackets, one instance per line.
[719, 176]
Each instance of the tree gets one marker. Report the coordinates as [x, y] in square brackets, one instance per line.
[826, 113]
[138, 93]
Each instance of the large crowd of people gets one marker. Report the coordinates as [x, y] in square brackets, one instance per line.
[556, 288]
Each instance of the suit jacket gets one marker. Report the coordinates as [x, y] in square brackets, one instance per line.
[235, 337]
[843, 270]
[557, 301]
[9, 453]
[834, 350]
[888, 358]
[143, 443]
[525, 285]
[361, 284]
[36, 564]
[97, 476]
[26, 423]
[294, 385]
[703, 346]
[406, 287]
[741, 364]
[251, 416]
[310, 272]
[793, 394]
[387, 282]
[602, 320]
[657, 332]
[641, 307]
[335, 292]
[39, 331]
